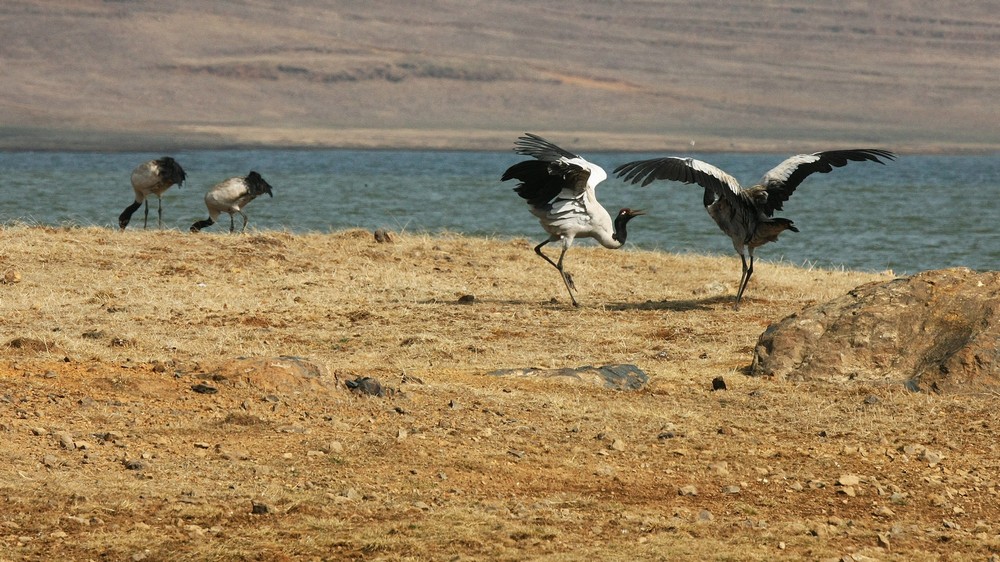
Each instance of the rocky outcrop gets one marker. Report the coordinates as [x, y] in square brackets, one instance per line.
[615, 377]
[279, 375]
[937, 330]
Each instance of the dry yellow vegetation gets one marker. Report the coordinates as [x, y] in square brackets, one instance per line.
[109, 454]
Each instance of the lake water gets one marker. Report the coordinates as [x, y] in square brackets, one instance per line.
[917, 213]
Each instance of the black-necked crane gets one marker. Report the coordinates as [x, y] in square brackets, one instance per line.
[231, 196]
[559, 187]
[746, 214]
[152, 178]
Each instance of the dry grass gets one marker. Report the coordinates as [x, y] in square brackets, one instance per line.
[114, 329]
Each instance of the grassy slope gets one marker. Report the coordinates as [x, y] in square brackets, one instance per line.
[117, 327]
[626, 75]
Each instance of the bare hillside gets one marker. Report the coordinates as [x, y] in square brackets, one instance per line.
[916, 75]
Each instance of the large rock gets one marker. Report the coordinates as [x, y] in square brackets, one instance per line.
[938, 330]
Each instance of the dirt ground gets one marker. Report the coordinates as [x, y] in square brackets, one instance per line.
[145, 413]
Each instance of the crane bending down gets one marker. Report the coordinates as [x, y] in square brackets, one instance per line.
[152, 178]
[230, 196]
[746, 214]
[559, 187]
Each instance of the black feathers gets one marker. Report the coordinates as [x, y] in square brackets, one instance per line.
[256, 185]
[170, 170]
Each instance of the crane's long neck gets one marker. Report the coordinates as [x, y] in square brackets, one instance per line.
[621, 230]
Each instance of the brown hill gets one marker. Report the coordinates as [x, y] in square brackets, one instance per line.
[722, 74]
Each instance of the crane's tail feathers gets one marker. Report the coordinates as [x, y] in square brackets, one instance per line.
[768, 231]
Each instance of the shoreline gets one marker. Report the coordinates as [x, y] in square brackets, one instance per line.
[473, 140]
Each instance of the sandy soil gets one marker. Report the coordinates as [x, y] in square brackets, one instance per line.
[112, 451]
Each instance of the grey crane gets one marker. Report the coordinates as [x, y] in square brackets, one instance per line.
[152, 178]
[231, 196]
[559, 187]
[746, 214]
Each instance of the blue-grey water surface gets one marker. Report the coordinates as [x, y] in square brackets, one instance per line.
[916, 213]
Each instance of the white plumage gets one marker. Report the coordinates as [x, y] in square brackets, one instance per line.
[746, 215]
[559, 187]
[231, 196]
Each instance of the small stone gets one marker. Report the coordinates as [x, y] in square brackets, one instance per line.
[39, 431]
[731, 490]
[847, 491]
[720, 468]
[10, 277]
[884, 511]
[929, 457]
[618, 445]
[65, 440]
[259, 508]
[883, 540]
[705, 516]
[401, 434]
[365, 385]
[334, 448]
[718, 383]
[51, 461]
[132, 464]
[466, 299]
[202, 388]
[951, 525]
[689, 490]
[796, 487]
[848, 480]
[58, 534]
[83, 445]
[202, 445]
[349, 494]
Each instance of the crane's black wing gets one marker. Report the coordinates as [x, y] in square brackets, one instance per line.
[537, 147]
[782, 180]
[684, 170]
[541, 181]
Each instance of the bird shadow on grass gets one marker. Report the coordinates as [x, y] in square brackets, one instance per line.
[676, 305]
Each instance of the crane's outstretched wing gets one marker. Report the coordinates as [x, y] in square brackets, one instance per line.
[536, 146]
[685, 170]
[782, 180]
[541, 181]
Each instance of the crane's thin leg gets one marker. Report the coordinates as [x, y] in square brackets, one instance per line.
[744, 279]
[244, 215]
[159, 212]
[145, 217]
[232, 224]
[566, 277]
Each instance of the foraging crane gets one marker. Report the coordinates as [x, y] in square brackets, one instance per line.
[152, 178]
[231, 196]
[559, 187]
[745, 214]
